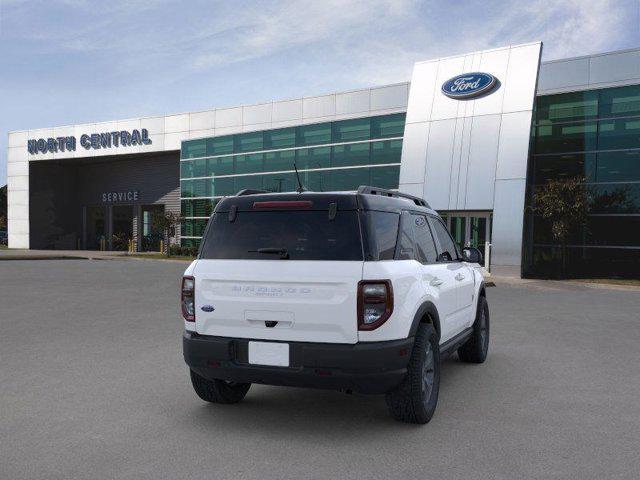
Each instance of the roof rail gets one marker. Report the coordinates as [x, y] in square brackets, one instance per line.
[367, 190]
[250, 191]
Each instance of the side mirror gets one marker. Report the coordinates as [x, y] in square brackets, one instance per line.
[472, 255]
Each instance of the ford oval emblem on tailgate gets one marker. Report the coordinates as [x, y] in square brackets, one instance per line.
[207, 308]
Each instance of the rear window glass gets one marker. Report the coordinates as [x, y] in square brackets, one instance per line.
[303, 235]
[382, 234]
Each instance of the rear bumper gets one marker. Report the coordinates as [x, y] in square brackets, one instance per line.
[374, 367]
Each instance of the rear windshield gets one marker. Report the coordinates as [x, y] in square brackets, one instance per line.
[273, 235]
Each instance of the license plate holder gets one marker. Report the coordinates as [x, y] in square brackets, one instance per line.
[274, 354]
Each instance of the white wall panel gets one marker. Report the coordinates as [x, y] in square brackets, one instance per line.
[438, 167]
[481, 169]
[352, 102]
[202, 120]
[520, 83]
[229, 117]
[287, 111]
[314, 107]
[176, 123]
[494, 62]
[421, 93]
[508, 215]
[17, 154]
[18, 139]
[257, 114]
[445, 107]
[17, 168]
[154, 125]
[393, 96]
[414, 154]
[614, 67]
[514, 145]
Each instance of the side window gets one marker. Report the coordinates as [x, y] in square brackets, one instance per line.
[383, 233]
[405, 240]
[448, 250]
[425, 246]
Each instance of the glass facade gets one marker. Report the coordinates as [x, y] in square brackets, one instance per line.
[593, 135]
[330, 156]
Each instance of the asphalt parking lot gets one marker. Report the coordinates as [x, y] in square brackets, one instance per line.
[93, 385]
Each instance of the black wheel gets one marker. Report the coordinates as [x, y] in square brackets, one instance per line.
[477, 347]
[218, 391]
[415, 399]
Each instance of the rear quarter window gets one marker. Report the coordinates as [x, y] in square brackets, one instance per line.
[303, 234]
[382, 233]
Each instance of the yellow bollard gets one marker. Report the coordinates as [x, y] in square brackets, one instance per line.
[161, 246]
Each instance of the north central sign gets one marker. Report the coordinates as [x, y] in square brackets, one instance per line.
[469, 85]
[93, 141]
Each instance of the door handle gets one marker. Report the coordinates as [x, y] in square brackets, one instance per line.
[436, 282]
[459, 277]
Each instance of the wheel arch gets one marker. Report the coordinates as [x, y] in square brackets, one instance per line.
[427, 313]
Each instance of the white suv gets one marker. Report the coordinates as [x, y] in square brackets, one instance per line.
[362, 292]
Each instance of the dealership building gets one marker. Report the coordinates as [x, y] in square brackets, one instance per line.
[476, 135]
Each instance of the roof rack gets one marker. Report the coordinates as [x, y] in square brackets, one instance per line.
[250, 191]
[366, 189]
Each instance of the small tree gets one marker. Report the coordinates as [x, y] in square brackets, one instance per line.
[166, 223]
[565, 204]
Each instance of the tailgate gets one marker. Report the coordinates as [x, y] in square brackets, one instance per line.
[307, 301]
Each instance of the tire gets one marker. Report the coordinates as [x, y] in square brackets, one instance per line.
[218, 391]
[415, 399]
[477, 347]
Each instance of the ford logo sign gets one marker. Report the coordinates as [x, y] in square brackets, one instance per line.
[207, 308]
[469, 85]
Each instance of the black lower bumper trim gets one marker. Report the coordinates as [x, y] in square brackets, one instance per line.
[372, 367]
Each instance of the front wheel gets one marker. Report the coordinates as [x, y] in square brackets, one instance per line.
[218, 391]
[415, 399]
[477, 347]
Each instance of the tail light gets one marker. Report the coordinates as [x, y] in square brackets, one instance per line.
[375, 303]
[188, 299]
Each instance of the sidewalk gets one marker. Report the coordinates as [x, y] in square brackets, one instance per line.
[20, 254]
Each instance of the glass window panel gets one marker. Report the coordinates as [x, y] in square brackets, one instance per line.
[313, 134]
[425, 245]
[280, 138]
[318, 157]
[186, 188]
[447, 246]
[248, 142]
[388, 126]
[549, 167]
[186, 169]
[346, 179]
[280, 182]
[194, 148]
[575, 137]
[220, 187]
[615, 198]
[200, 187]
[198, 208]
[221, 166]
[388, 151]
[192, 227]
[382, 234]
[251, 163]
[616, 134]
[352, 130]
[347, 155]
[276, 161]
[220, 145]
[620, 102]
[253, 182]
[618, 167]
[566, 107]
[190, 242]
[385, 177]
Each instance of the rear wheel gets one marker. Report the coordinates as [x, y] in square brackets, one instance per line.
[477, 347]
[415, 399]
[218, 391]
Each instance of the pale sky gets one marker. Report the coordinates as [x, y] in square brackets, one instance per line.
[76, 61]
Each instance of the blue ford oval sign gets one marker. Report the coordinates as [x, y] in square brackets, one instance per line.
[469, 85]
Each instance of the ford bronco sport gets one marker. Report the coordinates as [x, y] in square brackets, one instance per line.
[363, 292]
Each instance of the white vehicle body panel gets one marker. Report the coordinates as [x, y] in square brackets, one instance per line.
[312, 301]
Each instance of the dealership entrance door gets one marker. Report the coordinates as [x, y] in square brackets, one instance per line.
[470, 229]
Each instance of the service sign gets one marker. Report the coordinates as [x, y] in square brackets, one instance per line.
[469, 85]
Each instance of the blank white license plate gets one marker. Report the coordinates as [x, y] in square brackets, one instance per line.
[269, 353]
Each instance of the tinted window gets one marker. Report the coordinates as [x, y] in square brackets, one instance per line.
[447, 247]
[305, 235]
[382, 233]
[425, 246]
[405, 238]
